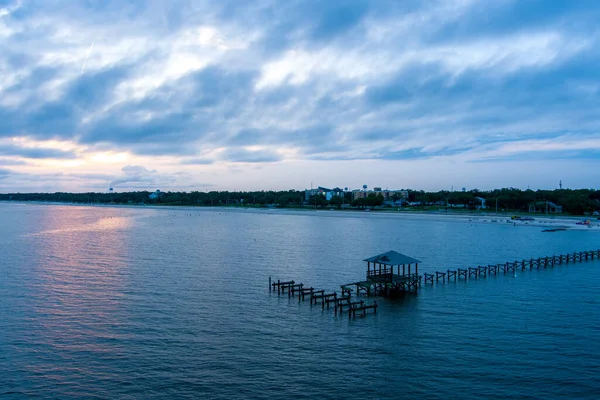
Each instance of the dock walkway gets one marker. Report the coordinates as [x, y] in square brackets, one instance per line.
[383, 279]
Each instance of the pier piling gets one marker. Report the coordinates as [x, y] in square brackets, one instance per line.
[383, 280]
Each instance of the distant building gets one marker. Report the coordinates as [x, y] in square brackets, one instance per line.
[481, 205]
[154, 195]
[545, 206]
[386, 194]
[308, 193]
[325, 192]
[390, 197]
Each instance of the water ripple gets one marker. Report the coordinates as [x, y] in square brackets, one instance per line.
[160, 303]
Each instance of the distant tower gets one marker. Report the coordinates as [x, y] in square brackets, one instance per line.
[560, 184]
[365, 187]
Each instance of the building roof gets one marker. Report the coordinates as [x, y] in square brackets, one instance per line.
[392, 258]
[551, 204]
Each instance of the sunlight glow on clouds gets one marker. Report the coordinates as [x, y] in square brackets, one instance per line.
[268, 94]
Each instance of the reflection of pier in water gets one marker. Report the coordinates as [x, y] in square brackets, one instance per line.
[385, 278]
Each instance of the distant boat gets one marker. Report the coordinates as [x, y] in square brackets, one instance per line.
[586, 222]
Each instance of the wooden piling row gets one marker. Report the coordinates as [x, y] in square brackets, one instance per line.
[439, 275]
[411, 282]
[428, 278]
[482, 271]
[353, 310]
[281, 286]
[321, 297]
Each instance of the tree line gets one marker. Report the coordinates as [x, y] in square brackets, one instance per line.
[214, 198]
[508, 199]
[578, 201]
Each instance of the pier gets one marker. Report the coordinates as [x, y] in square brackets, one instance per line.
[384, 276]
[325, 299]
[483, 271]
[391, 273]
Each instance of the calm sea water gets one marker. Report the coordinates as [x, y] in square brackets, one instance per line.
[99, 302]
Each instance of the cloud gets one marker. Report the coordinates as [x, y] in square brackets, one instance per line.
[137, 177]
[4, 173]
[135, 174]
[249, 156]
[185, 83]
[197, 161]
[10, 161]
[35, 152]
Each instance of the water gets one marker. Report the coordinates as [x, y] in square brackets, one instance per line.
[101, 302]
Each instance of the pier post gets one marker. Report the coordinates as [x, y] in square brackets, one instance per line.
[270, 284]
[438, 274]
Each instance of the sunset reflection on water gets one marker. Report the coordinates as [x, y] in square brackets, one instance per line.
[79, 286]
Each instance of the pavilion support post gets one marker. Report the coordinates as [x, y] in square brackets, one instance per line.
[409, 269]
[417, 269]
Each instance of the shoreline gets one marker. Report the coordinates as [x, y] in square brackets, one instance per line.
[540, 220]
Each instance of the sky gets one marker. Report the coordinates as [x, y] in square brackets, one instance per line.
[285, 94]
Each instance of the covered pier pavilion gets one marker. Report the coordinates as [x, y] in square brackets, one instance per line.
[388, 273]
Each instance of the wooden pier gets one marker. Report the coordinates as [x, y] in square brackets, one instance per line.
[325, 299]
[385, 278]
[483, 271]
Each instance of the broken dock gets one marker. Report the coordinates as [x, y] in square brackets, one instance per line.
[393, 273]
[323, 298]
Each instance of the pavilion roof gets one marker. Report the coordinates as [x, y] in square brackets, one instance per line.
[392, 258]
